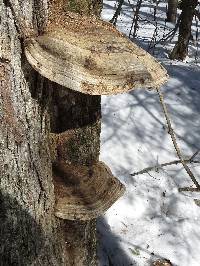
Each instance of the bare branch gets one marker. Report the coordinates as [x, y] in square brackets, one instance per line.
[155, 167]
[173, 137]
[135, 19]
[194, 155]
[188, 189]
[170, 35]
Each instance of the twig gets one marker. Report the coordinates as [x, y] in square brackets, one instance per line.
[170, 34]
[188, 189]
[194, 155]
[134, 24]
[155, 167]
[153, 40]
[173, 137]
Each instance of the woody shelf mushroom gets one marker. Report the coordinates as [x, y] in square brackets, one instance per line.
[90, 56]
[84, 192]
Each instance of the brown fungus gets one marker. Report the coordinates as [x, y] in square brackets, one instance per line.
[84, 192]
[89, 55]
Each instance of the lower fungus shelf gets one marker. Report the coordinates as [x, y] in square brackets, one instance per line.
[84, 192]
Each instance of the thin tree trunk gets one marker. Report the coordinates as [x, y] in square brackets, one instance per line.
[78, 118]
[172, 11]
[29, 232]
[117, 12]
[180, 50]
[78, 115]
[134, 24]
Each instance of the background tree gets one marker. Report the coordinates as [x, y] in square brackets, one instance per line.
[180, 50]
[172, 11]
[134, 24]
[29, 232]
[117, 12]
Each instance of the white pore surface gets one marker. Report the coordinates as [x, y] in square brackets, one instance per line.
[152, 220]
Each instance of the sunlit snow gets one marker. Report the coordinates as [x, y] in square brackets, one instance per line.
[152, 220]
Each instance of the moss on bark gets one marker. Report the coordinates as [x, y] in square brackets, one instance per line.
[86, 7]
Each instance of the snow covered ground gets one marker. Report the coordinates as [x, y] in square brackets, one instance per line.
[152, 220]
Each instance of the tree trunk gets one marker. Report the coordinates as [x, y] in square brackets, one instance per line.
[180, 50]
[172, 11]
[78, 119]
[29, 232]
[135, 20]
[117, 12]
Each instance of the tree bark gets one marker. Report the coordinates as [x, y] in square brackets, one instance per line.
[29, 232]
[117, 12]
[172, 11]
[135, 20]
[180, 50]
[77, 117]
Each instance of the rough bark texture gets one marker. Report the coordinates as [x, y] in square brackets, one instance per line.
[180, 50]
[77, 116]
[29, 232]
[172, 11]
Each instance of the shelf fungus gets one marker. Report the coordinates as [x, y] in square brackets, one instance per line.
[84, 192]
[91, 56]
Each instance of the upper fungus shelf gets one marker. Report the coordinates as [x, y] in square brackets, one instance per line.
[89, 55]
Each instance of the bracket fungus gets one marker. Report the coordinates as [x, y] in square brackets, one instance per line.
[84, 192]
[91, 56]
[88, 55]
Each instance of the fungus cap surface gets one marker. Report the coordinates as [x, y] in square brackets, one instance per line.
[89, 55]
[83, 192]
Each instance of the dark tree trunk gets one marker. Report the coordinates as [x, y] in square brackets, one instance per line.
[180, 50]
[172, 11]
[135, 20]
[29, 232]
[77, 127]
[117, 12]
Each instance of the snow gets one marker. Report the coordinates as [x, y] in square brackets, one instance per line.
[152, 220]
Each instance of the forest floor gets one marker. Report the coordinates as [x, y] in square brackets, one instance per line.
[153, 219]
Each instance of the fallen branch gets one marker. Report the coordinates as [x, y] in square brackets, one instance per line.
[173, 137]
[189, 189]
[159, 166]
